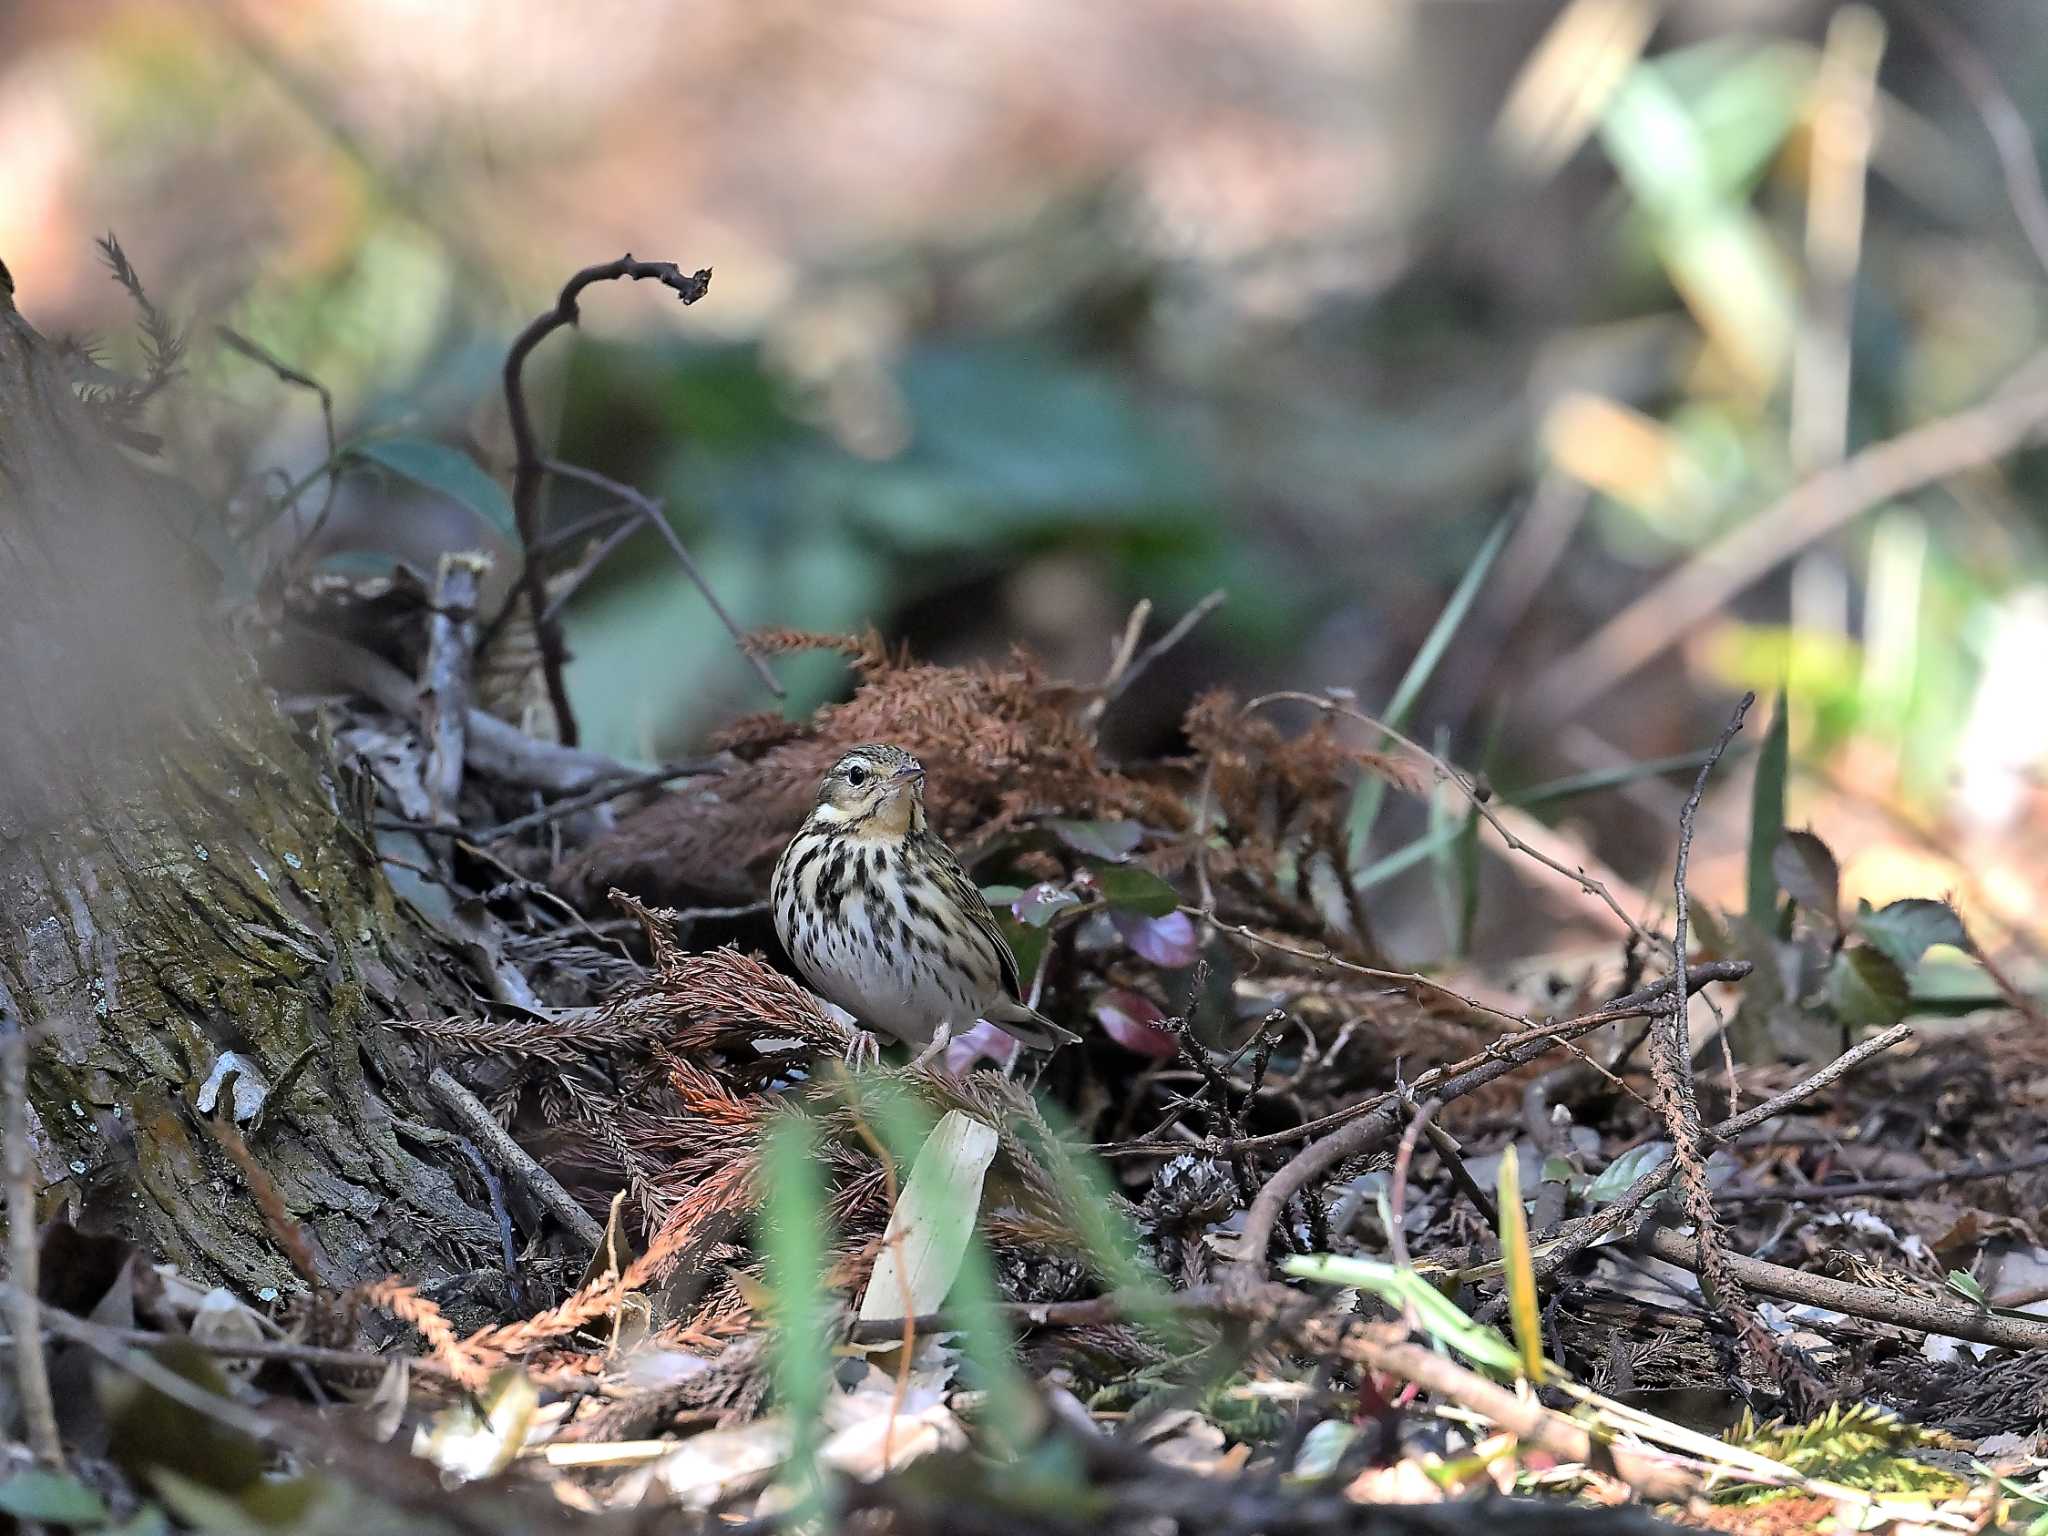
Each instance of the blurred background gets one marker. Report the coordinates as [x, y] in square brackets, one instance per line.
[1612, 356]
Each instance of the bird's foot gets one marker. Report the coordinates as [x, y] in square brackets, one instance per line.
[863, 1051]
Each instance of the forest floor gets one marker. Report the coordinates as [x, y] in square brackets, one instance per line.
[1296, 1239]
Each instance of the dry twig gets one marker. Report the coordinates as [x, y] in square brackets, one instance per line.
[528, 469]
[1479, 800]
[1809, 512]
[444, 678]
[1384, 1121]
[513, 1158]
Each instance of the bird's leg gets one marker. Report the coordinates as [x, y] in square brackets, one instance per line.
[941, 1037]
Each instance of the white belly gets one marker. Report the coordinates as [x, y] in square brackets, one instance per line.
[898, 987]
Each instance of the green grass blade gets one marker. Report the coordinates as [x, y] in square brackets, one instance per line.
[1767, 822]
[1371, 792]
[796, 1253]
[1613, 778]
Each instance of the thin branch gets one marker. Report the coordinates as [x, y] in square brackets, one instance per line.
[1809, 512]
[1119, 663]
[2011, 136]
[1632, 1006]
[1129, 663]
[280, 1351]
[111, 1347]
[572, 583]
[527, 468]
[1384, 1122]
[1480, 801]
[1414, 980]
[668, 773]
[235, 341]
[1397, 1182]
[1960, 1318]
[651, 514]
[1671, 1070]
[1885, 1189]
[513, 1158]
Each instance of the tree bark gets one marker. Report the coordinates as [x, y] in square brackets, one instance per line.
[180, 876]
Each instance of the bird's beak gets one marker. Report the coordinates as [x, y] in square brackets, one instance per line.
[910, 772]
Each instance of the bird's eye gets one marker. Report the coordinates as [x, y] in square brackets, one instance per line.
[856, 775]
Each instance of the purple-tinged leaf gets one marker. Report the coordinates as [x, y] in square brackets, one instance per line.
[984, 1042]
[1136, 1023]
[1038, 906]
[1112, 840]
[1167, 941]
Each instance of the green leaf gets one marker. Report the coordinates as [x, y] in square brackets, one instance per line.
[1438, 1315]
[1027, 942]
[1112, 840]
[1619, 1176]
[1372, 791]
[1136, 890]
[448, 471]
[1767, 824]
[1865, 987]
[59, 1499]
[1906, 930]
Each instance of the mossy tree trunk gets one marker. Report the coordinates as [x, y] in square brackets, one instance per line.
[178, 878]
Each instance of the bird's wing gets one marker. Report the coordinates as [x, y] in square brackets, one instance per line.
[968, 901]
[1012, 1013]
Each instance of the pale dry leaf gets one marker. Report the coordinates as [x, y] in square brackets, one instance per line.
[933, 1222]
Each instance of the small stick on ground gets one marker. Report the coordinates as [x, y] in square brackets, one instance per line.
[513, 1158]
[444, 679]
[1960, 1318]
[1886, 1189]
[1382, 1123]
[1671, 1071]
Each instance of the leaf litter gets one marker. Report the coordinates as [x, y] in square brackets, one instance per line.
[1048, 1284]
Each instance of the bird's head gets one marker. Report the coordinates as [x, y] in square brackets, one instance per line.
[875, 791]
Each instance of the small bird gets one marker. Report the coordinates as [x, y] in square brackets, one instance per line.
[880, 918]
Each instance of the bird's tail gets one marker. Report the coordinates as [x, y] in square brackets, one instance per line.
[1030, 1026]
